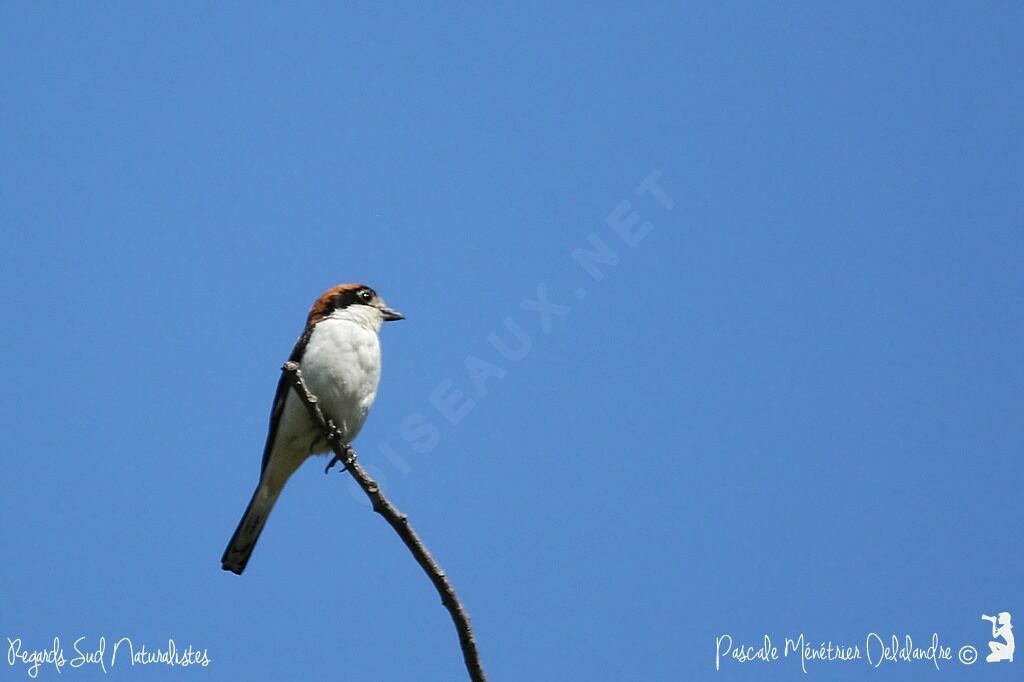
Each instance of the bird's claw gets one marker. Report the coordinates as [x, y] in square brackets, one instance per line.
[350, 456]
[335, 460]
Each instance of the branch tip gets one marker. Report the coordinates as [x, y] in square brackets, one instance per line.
[399, 521]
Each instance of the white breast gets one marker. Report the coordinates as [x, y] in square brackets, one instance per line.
[341, 366]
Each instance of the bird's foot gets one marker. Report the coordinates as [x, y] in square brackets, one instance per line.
[335, 434]
[334, 460]
[350, 456]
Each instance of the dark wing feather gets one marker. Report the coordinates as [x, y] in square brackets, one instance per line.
[281, 395]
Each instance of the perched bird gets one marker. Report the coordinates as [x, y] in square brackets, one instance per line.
[339, 355]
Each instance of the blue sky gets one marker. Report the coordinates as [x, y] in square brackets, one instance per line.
[793, 405]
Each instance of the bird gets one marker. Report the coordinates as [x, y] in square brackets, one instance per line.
[339, 356]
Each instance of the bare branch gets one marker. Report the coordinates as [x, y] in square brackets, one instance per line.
[344, 453]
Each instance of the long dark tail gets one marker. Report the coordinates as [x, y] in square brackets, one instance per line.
[240, 547]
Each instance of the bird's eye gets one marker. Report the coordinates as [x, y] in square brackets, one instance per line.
[366, 295]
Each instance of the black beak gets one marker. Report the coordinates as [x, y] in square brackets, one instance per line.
[390, 314]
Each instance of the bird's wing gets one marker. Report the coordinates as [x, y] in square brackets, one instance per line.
[281, 395]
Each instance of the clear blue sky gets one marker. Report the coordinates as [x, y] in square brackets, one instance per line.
[794, 405]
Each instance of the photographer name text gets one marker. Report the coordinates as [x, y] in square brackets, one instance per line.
[876, 650]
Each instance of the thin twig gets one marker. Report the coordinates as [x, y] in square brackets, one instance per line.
[399, 521]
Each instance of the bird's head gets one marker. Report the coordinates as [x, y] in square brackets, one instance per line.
[355, 301]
